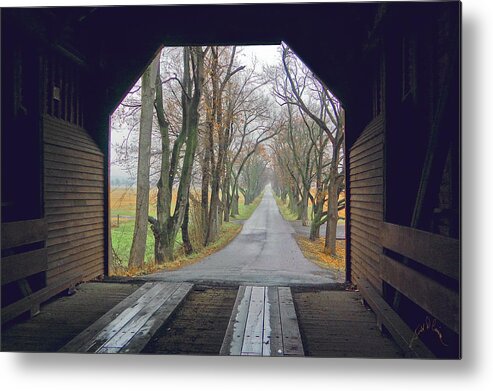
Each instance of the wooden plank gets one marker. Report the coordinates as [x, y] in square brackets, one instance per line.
[233, 339]
[365, 235]
[367, 214]
[437, 252]
[57, 159]
[74, 230]
[75, 143]
[367, 198]
[367, 268]
[373, 127]
[272, 341]
[291, 336]
[128, 328]
[374, 206]
[71, 167]
[84, 338]
[378, 172]
[86, 272]
[76, 221]
[368, 228]
[74, 237]
[361, 149]
[23, 265]
[142, 337]
[400, 332]
[110, 328]
[80, 257]
[368, 184]
[82, 204]
[62, 210]
[62, 152]
[375, 163]
[371, 250]
[367, 222]
[89, 262]
[73, 196]
[78, 248]
[19, 233]
[440, 301]
[79, 189]
[81, 243]
[253, 340]
[372, 152]
[62, 173]
[57, 125]
[67, 181]
[19, 307]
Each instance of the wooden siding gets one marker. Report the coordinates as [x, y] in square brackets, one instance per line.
[366, 203]
[74, 203]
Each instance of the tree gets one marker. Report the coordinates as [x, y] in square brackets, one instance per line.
[177, 157]
[330, 118]
[148, 92]
[315, 138]
[221, 69]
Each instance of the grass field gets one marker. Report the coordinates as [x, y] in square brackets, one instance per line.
[123, 205]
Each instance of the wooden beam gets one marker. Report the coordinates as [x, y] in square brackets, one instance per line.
[23, 265]
[19, 233]
[129, 326]
[437, 252]
[440, 301]
[254, 329]
[235, 331]
[263, 323]
[291, 336]
[27, 303]
[407, 340]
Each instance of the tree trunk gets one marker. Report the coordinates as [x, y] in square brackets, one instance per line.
[235, 211]
[187, 245]
[164, 244]
[226, 199]
[332, 217]
[137, 252]
[303, 209]
[204, 200]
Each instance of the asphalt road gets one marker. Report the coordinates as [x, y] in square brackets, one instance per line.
[264, 253]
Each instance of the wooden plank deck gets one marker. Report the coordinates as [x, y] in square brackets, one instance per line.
[263, 323]
[128, 326]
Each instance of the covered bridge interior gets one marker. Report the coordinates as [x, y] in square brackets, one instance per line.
[64, 71]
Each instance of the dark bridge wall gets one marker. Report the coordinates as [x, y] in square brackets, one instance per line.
[403, 171]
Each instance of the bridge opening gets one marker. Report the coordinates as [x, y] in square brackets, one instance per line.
[399, 88]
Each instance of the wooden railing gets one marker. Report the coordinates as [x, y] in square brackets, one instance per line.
[437, 253]
[23, 259]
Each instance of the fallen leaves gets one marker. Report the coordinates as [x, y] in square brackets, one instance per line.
[314, 250]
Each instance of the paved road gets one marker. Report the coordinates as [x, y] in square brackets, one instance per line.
[263, 253]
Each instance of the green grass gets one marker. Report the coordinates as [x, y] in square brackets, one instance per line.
[285, 211]
[121, 238]
[245, 211]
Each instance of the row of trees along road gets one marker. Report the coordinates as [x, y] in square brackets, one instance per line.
[209, 129]
[201, 119]
[310, 149]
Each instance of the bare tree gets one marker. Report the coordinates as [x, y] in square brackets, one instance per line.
[177, 157]
[148, 92]
[321, 112]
